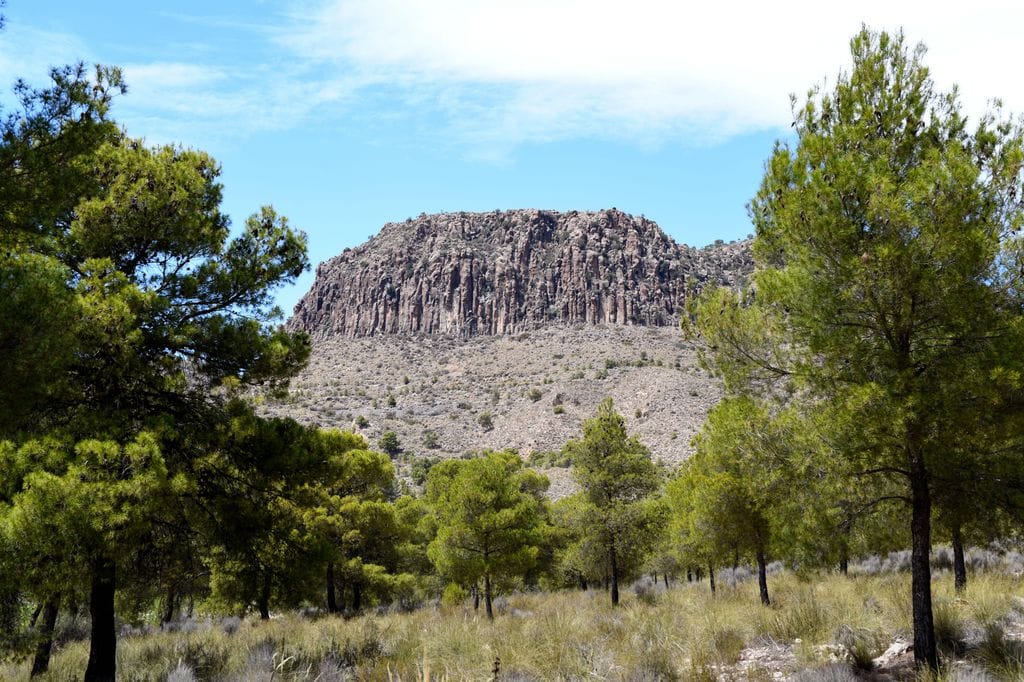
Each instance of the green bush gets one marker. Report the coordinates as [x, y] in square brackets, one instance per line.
[389, 443]
[420, 468]
[454, 595]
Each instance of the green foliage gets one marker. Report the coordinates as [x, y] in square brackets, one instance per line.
[534, 394]
[266, 489]
[611, 467]
[549, 458]
[490, 516]
[388, 442]
[887, 285]
[40, 320]
[129, 318]
[420, 468]
[616, 521]
[485, 420]
[454, 595]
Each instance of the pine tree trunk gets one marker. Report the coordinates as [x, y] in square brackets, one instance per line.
[583, 583]
[487, 596]
[959, 565]
[476, 597]
[689, 575]
[615, 576]
[41, 662]
[357, 596]
[711, 577]
[332, 590]
[844, 547]
[168, 614]
[264, 600]
[762, 577]
[925, 651]
[665, 577]
[102, 664]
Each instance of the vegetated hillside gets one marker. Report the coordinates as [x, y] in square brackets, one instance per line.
[505, 330]
[508, 271]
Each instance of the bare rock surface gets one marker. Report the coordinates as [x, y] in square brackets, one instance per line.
[509, 271]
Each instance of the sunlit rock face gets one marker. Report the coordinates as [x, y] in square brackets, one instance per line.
[468, 274]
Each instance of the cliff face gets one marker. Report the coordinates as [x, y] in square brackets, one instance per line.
[506, 271]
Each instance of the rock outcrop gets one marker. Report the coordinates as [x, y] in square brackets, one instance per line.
[507, 271]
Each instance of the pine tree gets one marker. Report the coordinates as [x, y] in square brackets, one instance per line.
[617, 479]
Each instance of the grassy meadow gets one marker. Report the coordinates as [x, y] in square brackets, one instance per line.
[824, 627]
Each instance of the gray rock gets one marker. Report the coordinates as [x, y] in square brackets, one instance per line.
[508, 271]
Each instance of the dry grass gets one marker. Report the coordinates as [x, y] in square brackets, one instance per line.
[683, 633]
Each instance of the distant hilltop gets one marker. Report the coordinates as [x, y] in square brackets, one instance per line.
[508, 271]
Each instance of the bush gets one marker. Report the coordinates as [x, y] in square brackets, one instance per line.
[862, 645]
[420, 468]
[454, 595]
[389, 443]
[430, 440]
[534, 394]
[949, 627]
[559, 409]
[362, 422]
[485, 421]
[390, 401]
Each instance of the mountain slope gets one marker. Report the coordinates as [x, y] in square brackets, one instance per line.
[505, 330]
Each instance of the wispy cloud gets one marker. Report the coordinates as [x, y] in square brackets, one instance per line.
[29, 53]
[198, 102]
[510, 71]
[485, 77]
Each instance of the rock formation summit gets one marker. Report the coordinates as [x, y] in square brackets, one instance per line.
[468, 274]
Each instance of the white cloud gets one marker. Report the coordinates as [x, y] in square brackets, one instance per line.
[488, 75]
[508, 71]
[174, 101]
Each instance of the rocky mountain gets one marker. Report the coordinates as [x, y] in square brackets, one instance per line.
[509, 271]
[460, 332]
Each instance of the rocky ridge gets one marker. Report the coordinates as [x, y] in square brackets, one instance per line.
[510, 271]
[461, 332]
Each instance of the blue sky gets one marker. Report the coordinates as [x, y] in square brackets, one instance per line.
[346, 114]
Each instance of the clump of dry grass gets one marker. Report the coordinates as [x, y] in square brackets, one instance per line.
[684, 634]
